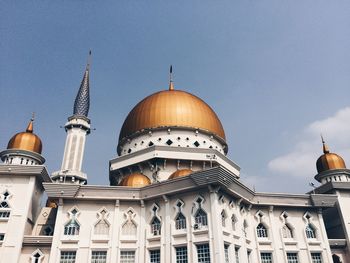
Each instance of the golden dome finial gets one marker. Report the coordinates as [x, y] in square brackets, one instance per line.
[171, 83]
[30, 124]
[325, 146]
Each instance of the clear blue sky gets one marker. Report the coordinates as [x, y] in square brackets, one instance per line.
[277, 73]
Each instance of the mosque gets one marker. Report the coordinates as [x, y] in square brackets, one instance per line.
[174, 196]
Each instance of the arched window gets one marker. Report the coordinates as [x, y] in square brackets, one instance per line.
[287, 232]
[72, 227]
[234, 222]
[223, 218]
[102, 225]
[180, 221]
[129, 228]
[310, 231]
[201, 217]
[261, 230]
[155, 226]
[101, 228]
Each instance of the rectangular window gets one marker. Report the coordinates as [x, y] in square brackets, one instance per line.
[203, 253]
[292, 257]
[67, 257]
[237, 254]
[154, 256]
[127, 257]
[181, 255]
[266, 257]
[316, 257]
[2, 237]
[99, 257]
[227, 259]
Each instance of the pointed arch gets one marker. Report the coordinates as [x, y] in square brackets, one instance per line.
[129, 227]
[155, 224]
[72, 227]
[102, 225]
[261, 231]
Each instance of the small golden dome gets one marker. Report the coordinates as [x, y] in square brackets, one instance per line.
[329, 161]
[135, 180]
[171, 108]
[180, 173]
[26, 140]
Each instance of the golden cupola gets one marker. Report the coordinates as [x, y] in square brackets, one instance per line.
[180, 173]
[135, 180]
[169, 110]
[329, 161]
[27, 140]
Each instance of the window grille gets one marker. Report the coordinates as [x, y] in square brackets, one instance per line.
[155, 227]
[181, 255]
[99, 257]
[316, 257]
[72, 228]
[67, 257]
[154, 256]
[201, 217]
[310, 231]
[203, 253]
[292, 258]
[127, 257]
[261, 230]
[180, 221]
[266, 257]
[101, 228]
[227, 259]
[287, 232]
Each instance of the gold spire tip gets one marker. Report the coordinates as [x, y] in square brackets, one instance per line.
[30, 124]
[324, 145]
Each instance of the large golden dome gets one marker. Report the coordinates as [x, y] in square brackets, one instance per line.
[171, 108]
[329, 161]
[26, 140]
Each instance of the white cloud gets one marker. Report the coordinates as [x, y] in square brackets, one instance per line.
[301, 161]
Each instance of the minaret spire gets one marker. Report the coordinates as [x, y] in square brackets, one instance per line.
[325, 146]
[171, 83]
[82, 100]
[77, 128]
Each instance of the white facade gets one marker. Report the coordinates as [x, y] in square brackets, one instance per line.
[206, 216]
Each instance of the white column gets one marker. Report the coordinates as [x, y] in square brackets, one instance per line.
[216, 242]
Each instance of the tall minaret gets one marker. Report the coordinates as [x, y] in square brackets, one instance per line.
[77, 128]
